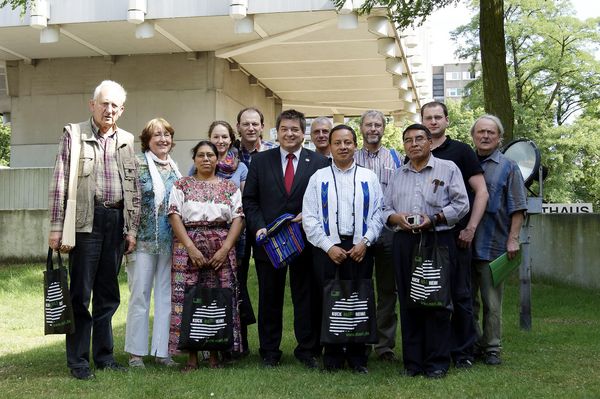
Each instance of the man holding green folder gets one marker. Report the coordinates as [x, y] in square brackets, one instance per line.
[497, 233]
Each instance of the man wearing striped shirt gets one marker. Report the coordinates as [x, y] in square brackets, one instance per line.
[108, 201]
[383, 162]
[432, 190]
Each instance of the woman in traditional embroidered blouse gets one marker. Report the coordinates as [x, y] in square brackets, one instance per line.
[152, 259]
[206, 214]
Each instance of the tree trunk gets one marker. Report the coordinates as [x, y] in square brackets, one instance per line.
[496, 92]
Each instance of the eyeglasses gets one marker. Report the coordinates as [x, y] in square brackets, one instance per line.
[374, 125]
[419, 140]
[437, 118]
[207, 155]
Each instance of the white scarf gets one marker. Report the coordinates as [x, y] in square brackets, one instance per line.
[158, 186]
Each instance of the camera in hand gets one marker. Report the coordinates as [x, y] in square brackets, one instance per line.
[414, 220]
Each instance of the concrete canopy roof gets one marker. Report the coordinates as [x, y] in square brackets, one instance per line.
[301, 57]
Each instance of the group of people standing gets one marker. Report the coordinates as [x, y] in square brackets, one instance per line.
[356, 207]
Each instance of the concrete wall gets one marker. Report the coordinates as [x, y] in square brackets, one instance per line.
[23, 235]
[566, 248]
[563, 247]
[190, 94]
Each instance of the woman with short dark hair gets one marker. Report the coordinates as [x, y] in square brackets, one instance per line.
[206, 214]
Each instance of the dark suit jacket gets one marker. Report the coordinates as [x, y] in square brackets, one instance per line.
[265, 198]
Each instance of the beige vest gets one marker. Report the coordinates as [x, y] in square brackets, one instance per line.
[86, 184]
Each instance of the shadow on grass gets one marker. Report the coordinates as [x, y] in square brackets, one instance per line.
[558, 358]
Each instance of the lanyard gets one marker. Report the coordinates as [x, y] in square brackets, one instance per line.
[337, 212]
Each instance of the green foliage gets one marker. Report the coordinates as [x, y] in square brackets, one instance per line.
[553, 75]
[572, 155]
[14, 3]
[392, 136]
[553, 72]
[404, 12]
[4, 144]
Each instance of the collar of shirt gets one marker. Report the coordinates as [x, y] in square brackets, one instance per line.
[338, 170]
[408, 166]
[444, 144]
[284, 154]
[494, 156]
[96, 130]
[373, 154]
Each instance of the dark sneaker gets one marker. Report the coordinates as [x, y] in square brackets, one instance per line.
[360, 370]
[463, 364]
[309, 363]
[113, 366]
[411, 372]
[82, 373]
[492, 359]
[436, 374]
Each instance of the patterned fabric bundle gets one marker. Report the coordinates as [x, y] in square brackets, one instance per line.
[283, 242]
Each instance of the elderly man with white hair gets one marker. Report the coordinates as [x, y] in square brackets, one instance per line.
[107, 216]
[498, 231]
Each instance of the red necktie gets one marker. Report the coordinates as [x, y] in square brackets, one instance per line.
[288, 179]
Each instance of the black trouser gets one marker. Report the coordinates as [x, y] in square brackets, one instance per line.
[464, 333]
[246, 311]
[271, 289]
[426, 333]
[334, 355]
[94, 266]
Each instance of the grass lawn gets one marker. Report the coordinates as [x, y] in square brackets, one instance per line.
[558, 358]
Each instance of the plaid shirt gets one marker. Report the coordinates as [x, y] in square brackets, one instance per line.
[246, 156]
[105, 169]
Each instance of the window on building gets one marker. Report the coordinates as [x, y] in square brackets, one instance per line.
[453, 75]
[470, 75]
[455, 92]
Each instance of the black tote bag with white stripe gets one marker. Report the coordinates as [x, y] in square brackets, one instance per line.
[58, 311]
[207, 319]
[348, 312]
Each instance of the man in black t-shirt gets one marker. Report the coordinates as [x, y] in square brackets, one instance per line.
[464, 334]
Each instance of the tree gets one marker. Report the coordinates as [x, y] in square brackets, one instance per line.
[553, 75]
[4, 144]
[493, 64]
[553, 72]
[407, 13]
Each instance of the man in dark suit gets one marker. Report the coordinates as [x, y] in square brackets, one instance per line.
[275, 185]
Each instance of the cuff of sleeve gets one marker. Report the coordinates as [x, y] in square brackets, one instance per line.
[56, 226]
[450, 216]
[326, 245]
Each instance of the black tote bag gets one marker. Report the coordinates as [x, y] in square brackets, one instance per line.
[207, 319]
[348, 315]
[430, 276]
[58, 311]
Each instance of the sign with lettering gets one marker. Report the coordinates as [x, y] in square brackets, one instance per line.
[567, 208]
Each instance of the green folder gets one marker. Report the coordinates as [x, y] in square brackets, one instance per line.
[501, 267]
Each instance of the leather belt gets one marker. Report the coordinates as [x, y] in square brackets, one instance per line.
[109, 205]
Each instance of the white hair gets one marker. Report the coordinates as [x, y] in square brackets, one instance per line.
[112, 85]
[492, 118]
[321, 120]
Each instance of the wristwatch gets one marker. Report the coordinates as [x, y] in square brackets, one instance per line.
[366, 241]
